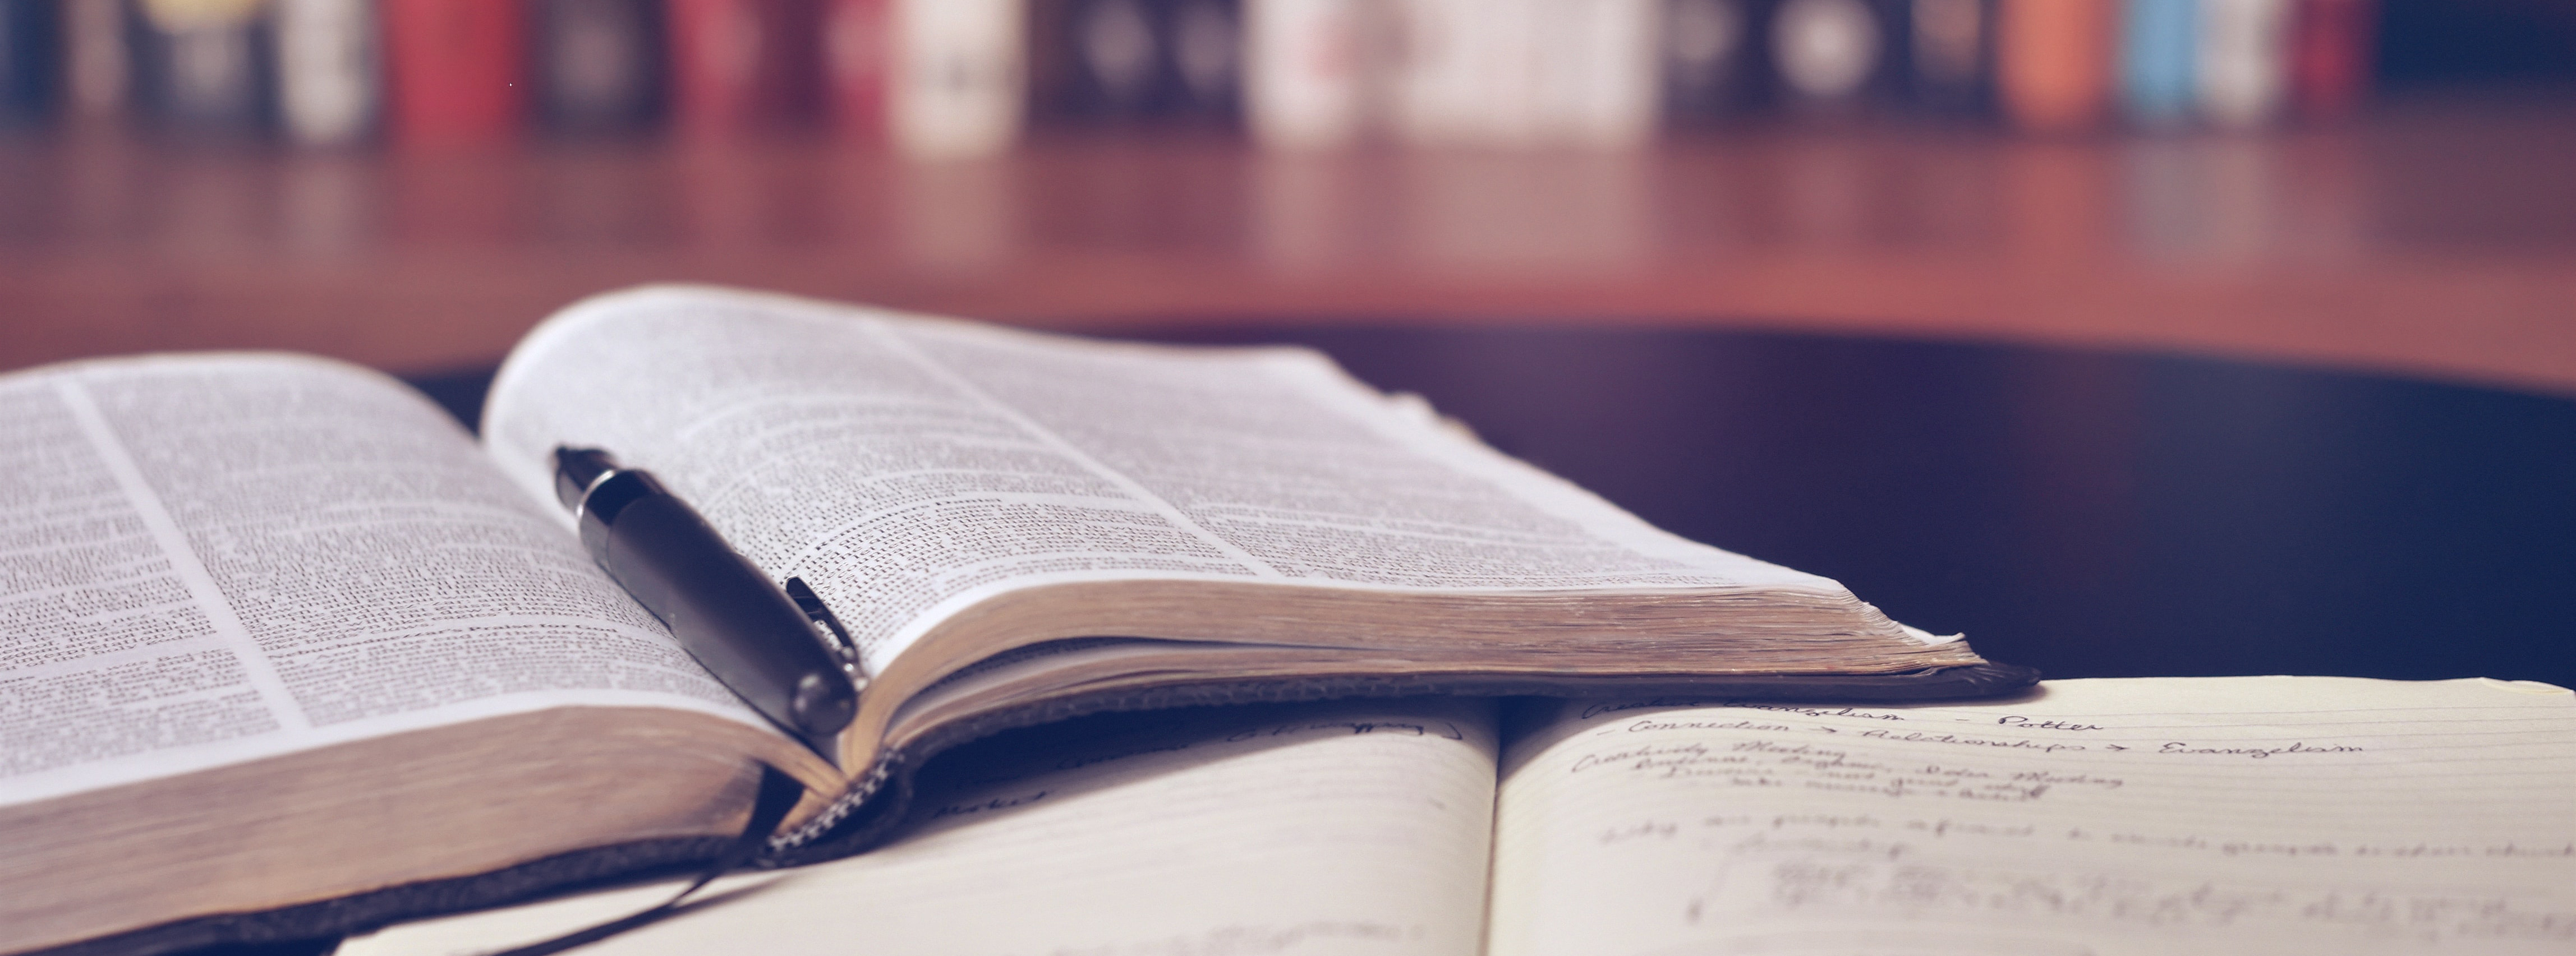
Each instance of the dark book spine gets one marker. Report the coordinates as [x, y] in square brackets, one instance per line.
[1097, 60]
[1949, 55]
[457, 69]
[1204, 47]
[598, 64]
[31, 61]
[1714, 63]
[330, 69]
[202, 65]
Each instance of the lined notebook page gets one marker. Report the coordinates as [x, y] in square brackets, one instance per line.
[2259, 814]
[1345, 828]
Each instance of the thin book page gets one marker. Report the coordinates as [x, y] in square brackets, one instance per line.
[909, 467]
[213, 559]
[1357, 827]
[2135, 816]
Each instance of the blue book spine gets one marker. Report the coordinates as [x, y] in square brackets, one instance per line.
[2159, 43]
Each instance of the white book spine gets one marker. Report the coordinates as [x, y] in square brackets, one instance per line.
[1307, 73]
[1523, 73]
[1596, 77]
[960, 80]
[327, 82]
[2244, 60]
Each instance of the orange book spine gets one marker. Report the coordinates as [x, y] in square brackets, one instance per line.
[2053, 62]
[457, 68]
[2330, 55]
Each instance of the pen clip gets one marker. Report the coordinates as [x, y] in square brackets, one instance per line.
[828, 629]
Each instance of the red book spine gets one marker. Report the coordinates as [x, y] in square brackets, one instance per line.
[457, 68]
[740, 64]
[2330, 55]
[858, 58]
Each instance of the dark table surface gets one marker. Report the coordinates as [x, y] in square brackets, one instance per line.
[2088, 513]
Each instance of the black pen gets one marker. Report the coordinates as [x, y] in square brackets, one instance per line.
[782, 651]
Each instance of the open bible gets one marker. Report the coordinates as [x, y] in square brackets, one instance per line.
[283, 652]
[2130, 817]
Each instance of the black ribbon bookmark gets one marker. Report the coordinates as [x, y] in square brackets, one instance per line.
[778, 794]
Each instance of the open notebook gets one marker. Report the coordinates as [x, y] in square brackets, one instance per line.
[2147, 816]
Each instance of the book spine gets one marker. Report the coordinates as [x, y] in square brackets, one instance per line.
[1831, 55]
[1206, 53]
[597, 64]
[1116, 52]
[1594, 83]
[2330, 58]
[960, 78]
[30, 60]
[744, 64]
[1949, 55]
[457, 69]
[1309, 73]
[2159, 52]
[1450, 86]
[1708, 59]
[858, 62]
[202, 65]
[2053, 62]
[329, 77]
[100, 67]
[2244, 54]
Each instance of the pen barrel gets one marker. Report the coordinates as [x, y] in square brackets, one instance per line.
[724, 611]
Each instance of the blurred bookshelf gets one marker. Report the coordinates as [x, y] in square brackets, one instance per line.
[2428, 230]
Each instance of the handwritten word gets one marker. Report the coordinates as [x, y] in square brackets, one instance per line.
[2017, 720]
[1812, 711]
[1650, 724]
[1599, 709]
[1920, 737]
[2258, 753]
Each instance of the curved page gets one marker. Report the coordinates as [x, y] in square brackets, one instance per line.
[910, 467]
[207, 560]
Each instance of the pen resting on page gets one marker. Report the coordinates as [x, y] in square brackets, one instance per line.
[753, 636]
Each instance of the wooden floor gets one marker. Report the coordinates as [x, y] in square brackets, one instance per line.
[2434, 238]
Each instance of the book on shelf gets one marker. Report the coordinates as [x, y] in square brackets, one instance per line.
[2112, 817]
[290, 655]
[456, 70]
[599, 64]
[202, 65]
[2054, 62]
[1835, 56]
[745, 65]
[330, 74]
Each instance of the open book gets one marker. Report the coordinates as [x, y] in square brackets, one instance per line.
[2133, 817]
[284, 652]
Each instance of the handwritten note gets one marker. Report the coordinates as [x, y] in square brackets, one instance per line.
[2139, 816]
